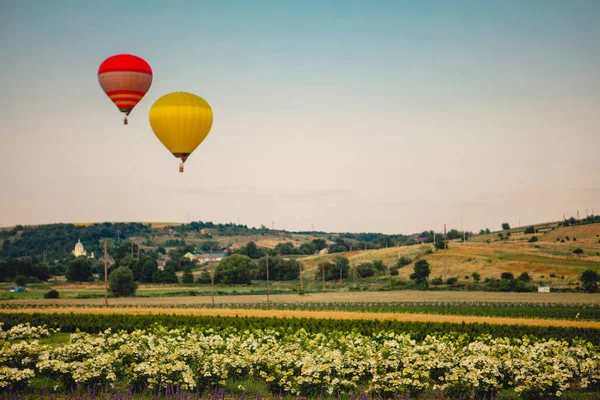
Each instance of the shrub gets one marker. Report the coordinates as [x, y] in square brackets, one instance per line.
[578, 251]
[378, 266]
[403, 261]
[437, 281]
[52, 294]
[451, 281]
[439, 245]
[529, 229]
[394, 271]
[507, 276]
[476, 276]
[574, 239]
[533, 239]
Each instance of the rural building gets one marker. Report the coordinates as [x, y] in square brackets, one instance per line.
[543, 289]
[162, 260]
[205, 257]
[191, 255]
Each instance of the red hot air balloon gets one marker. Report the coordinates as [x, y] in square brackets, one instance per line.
[125, 78]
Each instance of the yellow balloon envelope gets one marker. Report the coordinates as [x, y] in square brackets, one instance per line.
[181, 121]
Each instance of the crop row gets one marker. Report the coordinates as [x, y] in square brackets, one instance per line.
[94, 323]
[301, 363]
[589, 312]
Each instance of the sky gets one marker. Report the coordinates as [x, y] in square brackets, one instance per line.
[354, 116]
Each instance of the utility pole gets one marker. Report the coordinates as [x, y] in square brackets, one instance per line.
[273, 225]
[301, 287]
[132, 249]
[577, 214]
[340, 274]
[323, 276]
[267, 277]
[212, 277]
[138, 252]
[445, 251]
[105, 276]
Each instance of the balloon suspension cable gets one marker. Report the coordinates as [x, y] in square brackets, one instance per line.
[181, 167]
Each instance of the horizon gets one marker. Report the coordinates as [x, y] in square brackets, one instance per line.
[352, 116]
[316, 231]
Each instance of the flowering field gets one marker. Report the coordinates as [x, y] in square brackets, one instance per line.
[570, 311]
[298, 362]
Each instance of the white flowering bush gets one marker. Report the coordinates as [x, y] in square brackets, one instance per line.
[25, 331]
[306, 364]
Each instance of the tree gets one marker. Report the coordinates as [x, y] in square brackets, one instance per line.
[422, 271]
[529, 229]
[533, 239]
[332, 269]
[439, 244]
[206, 245]
[169, 275]
[320, 244]
[149, 267]
[476, 276]
[505, 226]
[80, 270]
[365, 269]
[578, 251]
[204, 278]
[20, 280]
[187, 277]
[308, 248]
[280, 269]
[524, 277]
[590, 280]
[121, 282]
[235, 269]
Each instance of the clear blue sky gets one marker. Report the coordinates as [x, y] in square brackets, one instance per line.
[389, 116]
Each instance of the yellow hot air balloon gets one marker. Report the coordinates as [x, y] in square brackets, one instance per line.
[181, 121]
